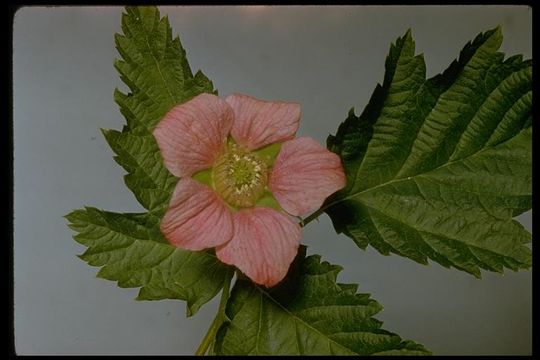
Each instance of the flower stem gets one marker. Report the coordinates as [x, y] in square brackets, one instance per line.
[220, 316]
[312, 217]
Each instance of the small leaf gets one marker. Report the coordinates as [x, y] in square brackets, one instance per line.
[309, 313]
[130, 249]
[437, 168]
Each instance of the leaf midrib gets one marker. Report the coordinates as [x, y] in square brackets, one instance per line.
[420, 231]
[174, 101]
[357, 196]
[297, 319]
[133, 238]
[397, 173]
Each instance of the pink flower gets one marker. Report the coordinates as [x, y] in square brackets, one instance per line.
[242, 175]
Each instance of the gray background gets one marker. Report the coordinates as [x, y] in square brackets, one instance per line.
[328, 59]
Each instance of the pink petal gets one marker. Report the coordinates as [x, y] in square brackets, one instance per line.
[263, 246]
[197, 218]
[258, 123]
[191, 136]
[304, 174]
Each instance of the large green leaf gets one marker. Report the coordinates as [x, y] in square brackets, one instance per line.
[155, 68]
[437, 168]
[129, 249]
[308, 314]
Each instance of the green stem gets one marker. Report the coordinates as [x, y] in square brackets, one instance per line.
[312, 217]
[318, 213]
[220, 316]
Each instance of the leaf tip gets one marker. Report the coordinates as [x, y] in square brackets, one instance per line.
[102, 274]
[477, 274]
[117, 63]
[72, 215]
[191, 309]
[495, 34]
[408, 34]
[141, 295]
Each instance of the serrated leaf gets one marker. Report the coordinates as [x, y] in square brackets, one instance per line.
[155, 68]
[437, 168]
[147, 176]
[308, 314]
[130, 249]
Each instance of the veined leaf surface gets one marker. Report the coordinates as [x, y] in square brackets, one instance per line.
[309, 313]
[437, 168]
[130, 249]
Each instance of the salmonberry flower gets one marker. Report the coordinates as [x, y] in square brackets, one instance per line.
[243, 176]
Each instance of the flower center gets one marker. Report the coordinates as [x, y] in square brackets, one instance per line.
[240, 177]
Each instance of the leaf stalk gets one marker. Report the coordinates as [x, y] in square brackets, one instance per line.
[220, 316]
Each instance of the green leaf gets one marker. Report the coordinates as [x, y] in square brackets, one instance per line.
[437, 168]
[309, 313]
[155, 68]
[130, 249]
[156, 71]
[147, 176]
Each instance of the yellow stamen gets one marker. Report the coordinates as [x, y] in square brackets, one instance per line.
[240, 176]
